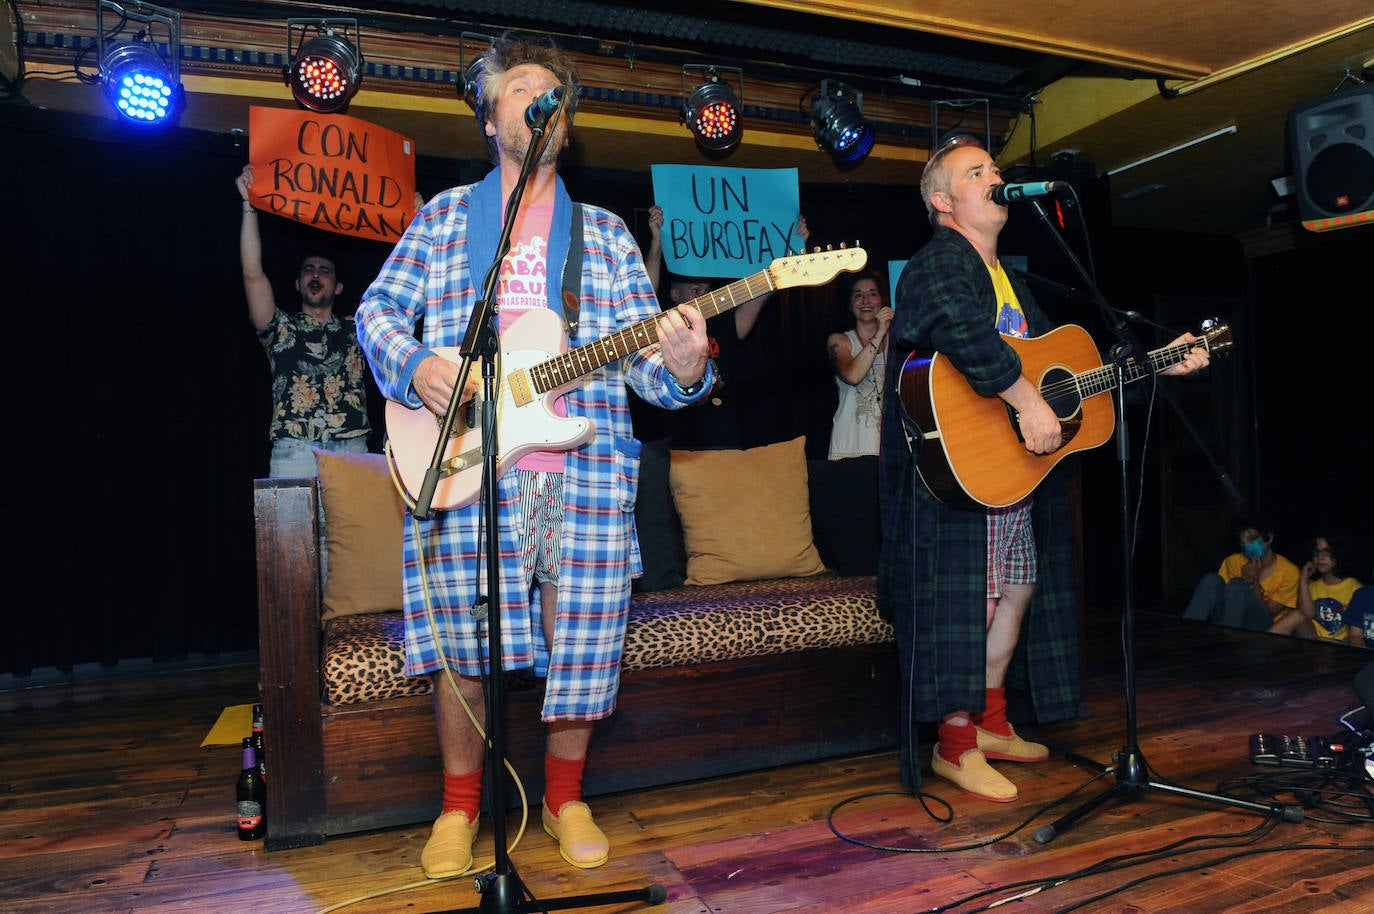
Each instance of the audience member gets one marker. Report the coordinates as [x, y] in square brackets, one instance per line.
[716, 421]
[1252, 588]
[858, 358]
[1359, 618]
[319, 394]
[1323, 594]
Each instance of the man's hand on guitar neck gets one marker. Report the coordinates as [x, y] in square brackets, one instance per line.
[1040, 428]
[434, 379]
[1198, 357]
[684, 344]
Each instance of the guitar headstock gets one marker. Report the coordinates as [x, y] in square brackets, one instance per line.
[817, 267]
[1216, 335]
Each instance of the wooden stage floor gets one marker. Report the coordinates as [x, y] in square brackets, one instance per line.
[110, 805]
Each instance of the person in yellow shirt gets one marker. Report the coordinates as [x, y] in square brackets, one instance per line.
[1323, 594]
[1252, 588]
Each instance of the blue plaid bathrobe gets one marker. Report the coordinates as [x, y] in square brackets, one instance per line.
[433, 275]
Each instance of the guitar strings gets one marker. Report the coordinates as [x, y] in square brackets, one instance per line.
[1098, 377]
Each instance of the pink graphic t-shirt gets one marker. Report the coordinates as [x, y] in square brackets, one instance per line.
[523, 287]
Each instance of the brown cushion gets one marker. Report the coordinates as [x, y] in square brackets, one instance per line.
[745, 514]
[363, 517]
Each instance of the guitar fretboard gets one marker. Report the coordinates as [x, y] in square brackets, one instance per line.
[575, 363]
[1100, 380]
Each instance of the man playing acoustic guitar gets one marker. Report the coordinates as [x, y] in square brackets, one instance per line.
[960, 584]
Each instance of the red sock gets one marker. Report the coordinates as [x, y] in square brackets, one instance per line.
[562, 781]
[994, 716]
[956, 739]
[463, 793]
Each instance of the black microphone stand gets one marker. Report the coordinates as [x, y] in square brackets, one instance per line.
[502, 890]
[1132, 771]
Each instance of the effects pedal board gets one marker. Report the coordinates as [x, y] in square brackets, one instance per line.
[1291, 751]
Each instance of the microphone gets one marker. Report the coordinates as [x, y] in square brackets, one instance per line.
[1003, 194]
[538, 113]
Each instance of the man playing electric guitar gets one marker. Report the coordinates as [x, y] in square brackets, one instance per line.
[566, 529]
[959, 585]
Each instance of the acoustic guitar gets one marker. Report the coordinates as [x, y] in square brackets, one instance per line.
[536, 368]
[970, 448]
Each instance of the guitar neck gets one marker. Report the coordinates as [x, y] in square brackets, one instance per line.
[1100, 380]
[573, 364]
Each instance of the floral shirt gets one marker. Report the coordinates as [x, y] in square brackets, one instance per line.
[318, 391]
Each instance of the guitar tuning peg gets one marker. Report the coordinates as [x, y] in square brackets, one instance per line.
[830, 247]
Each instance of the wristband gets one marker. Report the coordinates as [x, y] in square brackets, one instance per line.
[691, 390]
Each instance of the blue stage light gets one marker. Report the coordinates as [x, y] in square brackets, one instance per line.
[839, 125]
[140, 75]
[139, 84]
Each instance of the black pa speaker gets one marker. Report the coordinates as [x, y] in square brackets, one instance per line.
[1332, 142]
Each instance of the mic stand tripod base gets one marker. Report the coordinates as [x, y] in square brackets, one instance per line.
[504, 892]
[1132, 774]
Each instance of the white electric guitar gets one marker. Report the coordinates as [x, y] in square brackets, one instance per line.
[533, 379]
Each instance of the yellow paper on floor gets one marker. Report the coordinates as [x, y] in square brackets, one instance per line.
[235, 722]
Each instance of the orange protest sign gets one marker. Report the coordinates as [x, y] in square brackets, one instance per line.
[331, 171]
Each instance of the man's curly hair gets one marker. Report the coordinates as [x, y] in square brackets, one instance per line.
[510, 51]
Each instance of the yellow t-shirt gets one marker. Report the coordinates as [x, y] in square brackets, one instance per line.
[1011, 319]
[1329, 602]
[1279, 585]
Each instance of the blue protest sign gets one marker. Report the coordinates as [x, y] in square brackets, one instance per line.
[894, 272]
[726, 222]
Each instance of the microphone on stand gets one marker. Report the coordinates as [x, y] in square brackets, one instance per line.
[538, 113]
[1003, 194]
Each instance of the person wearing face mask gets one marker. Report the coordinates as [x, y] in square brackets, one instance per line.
[1252, 588]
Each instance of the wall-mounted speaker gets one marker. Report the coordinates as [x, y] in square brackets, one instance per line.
[1332, 142]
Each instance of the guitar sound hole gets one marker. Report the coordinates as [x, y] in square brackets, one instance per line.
[1059, 392]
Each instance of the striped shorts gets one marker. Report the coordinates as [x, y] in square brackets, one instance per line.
[541, 524]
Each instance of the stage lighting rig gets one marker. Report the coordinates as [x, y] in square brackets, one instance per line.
[325, 70]
[469, 69]
[712, 111]
[141, 79]
[838, 122]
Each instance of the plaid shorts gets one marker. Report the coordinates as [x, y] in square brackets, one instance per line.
[541, 527]
[1011, 547]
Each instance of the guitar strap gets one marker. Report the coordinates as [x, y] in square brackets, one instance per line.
[572, 275]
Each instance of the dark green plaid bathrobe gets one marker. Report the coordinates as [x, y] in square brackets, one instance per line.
[932, 572]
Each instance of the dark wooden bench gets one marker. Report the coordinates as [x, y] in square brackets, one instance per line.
[338, 768]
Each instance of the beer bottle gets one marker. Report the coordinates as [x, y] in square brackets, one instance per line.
[251, 794]
[259, 749]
